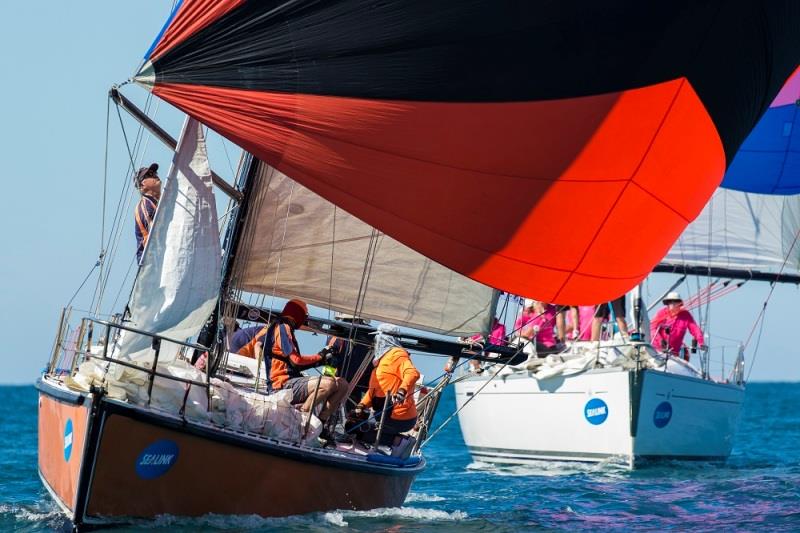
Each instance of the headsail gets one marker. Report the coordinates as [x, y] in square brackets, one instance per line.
[745, 232]
[298, 244]
[179, 278]
[514, 142]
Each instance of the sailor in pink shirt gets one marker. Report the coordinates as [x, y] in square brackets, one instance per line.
[497, 336]
[670, 324]
[582, 331]
[537, 322]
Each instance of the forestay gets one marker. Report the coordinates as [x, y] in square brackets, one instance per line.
[743, 231]
[178, 282]
[297, 244]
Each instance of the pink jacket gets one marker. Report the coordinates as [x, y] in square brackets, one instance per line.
[678, 325]
[546, 321]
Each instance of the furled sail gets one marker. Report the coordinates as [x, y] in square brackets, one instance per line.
[743, 232]
[523, 144]
[769, 160]
[297, 244]
[179, 277]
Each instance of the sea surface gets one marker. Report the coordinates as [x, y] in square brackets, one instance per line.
[757, 489]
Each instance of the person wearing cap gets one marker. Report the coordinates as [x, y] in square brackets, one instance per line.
[670, 324]
[285, 364]
[148, 184]
[394, 377]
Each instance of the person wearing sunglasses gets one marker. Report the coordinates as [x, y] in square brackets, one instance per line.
[149, 186]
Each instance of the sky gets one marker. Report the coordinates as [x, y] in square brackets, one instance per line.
[59, 60]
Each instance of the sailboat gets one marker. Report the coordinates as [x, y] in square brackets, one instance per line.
[626, 401]
[374, 137]
[622, 400]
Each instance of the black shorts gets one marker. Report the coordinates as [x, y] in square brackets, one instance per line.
[299, 388]
[604, 310]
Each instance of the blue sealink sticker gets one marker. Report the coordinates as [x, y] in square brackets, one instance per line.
[595, 411]
[662, 415]
[157, 459]
[68, 438]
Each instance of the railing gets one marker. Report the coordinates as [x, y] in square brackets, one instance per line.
[77, 348]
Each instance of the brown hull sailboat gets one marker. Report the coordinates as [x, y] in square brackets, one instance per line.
[104, 460]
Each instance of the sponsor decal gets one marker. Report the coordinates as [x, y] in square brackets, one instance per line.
[662, 415]
[253, 315]
[157, 459]
[595, 411]
[69, 436]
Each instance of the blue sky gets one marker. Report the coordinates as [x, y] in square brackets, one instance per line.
[59, 60]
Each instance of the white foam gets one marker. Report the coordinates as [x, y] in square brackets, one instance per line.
[419, 497]
[30, 514]
[412, 513]
[609, 468]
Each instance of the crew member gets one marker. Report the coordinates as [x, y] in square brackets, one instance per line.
[669, 326]
[350, 356]
[279, 343]
[394, 374]
[149, 186]
[603, 313]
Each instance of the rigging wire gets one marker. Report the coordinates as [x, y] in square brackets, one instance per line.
[761, 313]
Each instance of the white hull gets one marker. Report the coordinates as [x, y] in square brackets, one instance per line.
[598, 415]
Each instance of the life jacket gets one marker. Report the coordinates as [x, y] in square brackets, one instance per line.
[285, 366]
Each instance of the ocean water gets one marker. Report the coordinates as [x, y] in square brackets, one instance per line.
[757, 489]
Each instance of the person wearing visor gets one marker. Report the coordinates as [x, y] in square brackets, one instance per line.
[393, 379]
[148, 184]
[670, 324]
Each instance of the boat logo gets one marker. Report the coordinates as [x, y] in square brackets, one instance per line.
[595, 411]
[68, 436]
[157, 459]
[662, 414]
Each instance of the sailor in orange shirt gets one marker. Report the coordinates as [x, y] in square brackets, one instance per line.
[395, 374]
[284, 362]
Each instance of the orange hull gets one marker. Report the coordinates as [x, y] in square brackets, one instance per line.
[128, 462]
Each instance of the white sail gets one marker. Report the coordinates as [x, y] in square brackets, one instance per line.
[297, 244]
[179, 277]
[742, 231]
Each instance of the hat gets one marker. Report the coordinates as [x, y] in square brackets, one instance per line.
[142, 172]
[387, 329]
[672, 297]
[296, 311]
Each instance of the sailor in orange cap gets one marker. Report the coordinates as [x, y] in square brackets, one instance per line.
[284, 362]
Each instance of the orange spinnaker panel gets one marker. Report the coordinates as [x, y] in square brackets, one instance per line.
[569, 201]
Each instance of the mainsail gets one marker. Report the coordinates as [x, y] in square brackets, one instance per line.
[745, 233]
[297, 244]
[522, 144]
[178, 282]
